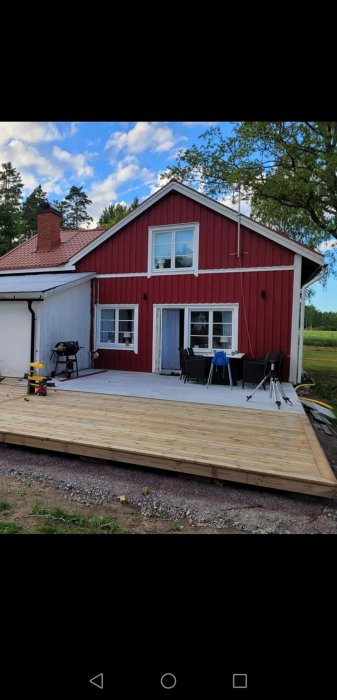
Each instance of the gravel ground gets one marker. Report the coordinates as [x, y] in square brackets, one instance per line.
[178, 497]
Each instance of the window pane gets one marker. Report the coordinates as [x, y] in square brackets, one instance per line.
[162, 251]
[199, 341]
[199, 329]
[161, 238]
[160, 263]
[108, 314]
[222, 329]
[183, 261]
[184, 242]
[107, 326]
[126, 314]
[125, 326]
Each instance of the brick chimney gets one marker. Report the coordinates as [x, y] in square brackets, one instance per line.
[48, 228]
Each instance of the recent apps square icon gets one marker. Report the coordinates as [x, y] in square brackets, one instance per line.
[240, 680]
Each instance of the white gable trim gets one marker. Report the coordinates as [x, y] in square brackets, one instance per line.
[295, 319]
[211, 204]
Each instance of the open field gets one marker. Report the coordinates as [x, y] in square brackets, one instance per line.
[321, 363]
[321, 338]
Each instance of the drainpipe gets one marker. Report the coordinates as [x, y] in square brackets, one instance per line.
[32, 332]
[300, 344]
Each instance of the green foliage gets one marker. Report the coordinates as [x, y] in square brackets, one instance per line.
[8, 528]
[321, 338]
[112, 214]
[10, 207]
[320, 320]
[74, 523]
[5, 507]
[288, 169]
[321, 364]
[73, 209]
[29, 211]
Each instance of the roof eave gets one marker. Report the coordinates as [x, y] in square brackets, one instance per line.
[33, 270]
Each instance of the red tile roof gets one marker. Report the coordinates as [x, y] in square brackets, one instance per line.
[25, 256]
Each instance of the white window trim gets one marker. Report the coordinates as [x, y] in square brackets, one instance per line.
[178, 270]
[234, 308]
[156, 340]
[116, 346]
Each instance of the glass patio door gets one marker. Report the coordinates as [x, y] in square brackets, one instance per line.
[170, 339]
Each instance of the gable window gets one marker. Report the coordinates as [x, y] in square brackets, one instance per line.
[117, 327]
[213, 329]
[173, 248]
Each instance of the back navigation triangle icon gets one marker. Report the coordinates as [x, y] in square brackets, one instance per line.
[97, 681]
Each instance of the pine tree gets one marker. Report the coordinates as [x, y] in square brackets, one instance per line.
[29, 211]
[112, 214]
[10, 207]
[73, 209]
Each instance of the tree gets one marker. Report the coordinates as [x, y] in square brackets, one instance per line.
[134, 204]
[289, 170]
[29, 211]
[61, 206]
[73, 209]
[112, 214]
[10, 207]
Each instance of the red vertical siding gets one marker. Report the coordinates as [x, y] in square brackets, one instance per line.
[264, 323]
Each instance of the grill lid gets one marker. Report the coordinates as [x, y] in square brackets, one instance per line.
[67, 347]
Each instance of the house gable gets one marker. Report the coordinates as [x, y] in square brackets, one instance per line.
[127, 251]
[209, 204]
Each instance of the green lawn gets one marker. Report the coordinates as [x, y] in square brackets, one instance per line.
[321, 363]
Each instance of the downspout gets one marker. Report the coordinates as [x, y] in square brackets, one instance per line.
[302, 302]
[32, 332]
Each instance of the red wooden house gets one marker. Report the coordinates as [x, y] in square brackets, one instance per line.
[183, 270]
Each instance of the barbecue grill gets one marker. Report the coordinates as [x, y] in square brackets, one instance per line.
[66, 354]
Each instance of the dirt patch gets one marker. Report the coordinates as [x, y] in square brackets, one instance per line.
[22, 496]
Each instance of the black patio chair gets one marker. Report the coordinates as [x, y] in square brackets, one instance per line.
[195, 369]
[253, 371]
[183, 355]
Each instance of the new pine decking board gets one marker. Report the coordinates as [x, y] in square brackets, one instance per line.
[265, 448]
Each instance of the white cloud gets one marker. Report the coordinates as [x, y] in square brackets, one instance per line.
[23, 156]
[32, 132]
[30, 182]
[105, 192]
[158, 184]
[199, 123]
[75, 161]
[71, 130]
[142, 137]
[328, 245]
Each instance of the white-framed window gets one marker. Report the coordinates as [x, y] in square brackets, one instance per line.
[173, 249]
[213, 328]
[117, 327]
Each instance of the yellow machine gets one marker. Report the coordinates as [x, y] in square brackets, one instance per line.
[37, 384]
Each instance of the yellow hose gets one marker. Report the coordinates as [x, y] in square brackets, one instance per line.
[308, 398]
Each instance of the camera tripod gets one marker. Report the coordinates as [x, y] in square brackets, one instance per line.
[275, 387]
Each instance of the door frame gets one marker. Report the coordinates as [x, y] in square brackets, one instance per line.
[157, 331]
[157, 325]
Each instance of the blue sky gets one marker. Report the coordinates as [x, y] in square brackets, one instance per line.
[112, 161]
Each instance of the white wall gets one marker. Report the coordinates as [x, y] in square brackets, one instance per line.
[15, 333]
[64, 316]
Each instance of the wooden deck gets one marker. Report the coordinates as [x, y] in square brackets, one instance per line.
[263, 448]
